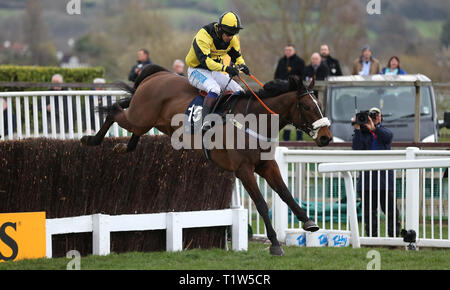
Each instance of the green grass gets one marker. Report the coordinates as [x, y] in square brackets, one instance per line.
[256, 258]
[428, 29]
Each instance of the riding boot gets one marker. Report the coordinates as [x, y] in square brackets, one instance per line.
[208, 104]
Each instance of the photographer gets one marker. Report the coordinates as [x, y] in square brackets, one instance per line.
[369, 134]
[143, 60]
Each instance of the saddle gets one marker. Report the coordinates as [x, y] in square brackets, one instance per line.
[225, 103]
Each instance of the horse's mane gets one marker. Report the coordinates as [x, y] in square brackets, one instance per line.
[147, 71]
[272, 89]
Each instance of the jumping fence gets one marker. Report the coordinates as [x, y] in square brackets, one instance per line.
[73, 114]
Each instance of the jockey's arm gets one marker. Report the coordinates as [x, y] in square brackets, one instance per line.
[235, 51]
[202, 48]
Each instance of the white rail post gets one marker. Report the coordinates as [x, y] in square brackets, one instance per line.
[280, 213]
[48, 241]
[174, 232]
[235, 197]
[351, 203]
[101, 243]
[239, 230]
[412, 193]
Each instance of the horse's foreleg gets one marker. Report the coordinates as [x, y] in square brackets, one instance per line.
[271, 173]
[247, 177]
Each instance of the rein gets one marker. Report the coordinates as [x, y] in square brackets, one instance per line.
[315, 127]
[259, 100]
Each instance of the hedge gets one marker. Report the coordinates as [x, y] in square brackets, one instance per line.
[65, 179]
[42, 74]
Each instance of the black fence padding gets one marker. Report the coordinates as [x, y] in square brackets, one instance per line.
[65, 179]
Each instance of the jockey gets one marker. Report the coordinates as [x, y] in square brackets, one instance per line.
[205, 59]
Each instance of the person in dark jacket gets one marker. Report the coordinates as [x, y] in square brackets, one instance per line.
[317, 69]
[332, 63]
[143, 60]
[374, 136]
[289, 64]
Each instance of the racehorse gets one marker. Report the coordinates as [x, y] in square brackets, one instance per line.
[158, 95]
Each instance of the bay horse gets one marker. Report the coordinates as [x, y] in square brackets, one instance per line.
[158, 95]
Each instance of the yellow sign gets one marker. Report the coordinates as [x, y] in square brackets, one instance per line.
[22, 236]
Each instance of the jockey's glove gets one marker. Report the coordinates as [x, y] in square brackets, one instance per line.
[232, 71]
[244, 69]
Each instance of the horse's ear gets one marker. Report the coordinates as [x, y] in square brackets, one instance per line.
[294, 81]
[311, 84]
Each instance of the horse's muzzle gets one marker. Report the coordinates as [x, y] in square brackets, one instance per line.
[324, 137]
[323, 141]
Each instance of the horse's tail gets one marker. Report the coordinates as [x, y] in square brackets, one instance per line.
[124, 103]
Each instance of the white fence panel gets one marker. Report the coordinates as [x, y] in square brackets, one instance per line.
[412, 195]
[56, 114]
[102, 225]
[323, 195]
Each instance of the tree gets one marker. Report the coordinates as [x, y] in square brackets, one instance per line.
[445, 34]
[305, 23]
[42, 51]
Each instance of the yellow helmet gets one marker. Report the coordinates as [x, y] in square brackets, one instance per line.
[230, 23]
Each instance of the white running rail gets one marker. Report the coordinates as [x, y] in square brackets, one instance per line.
[412, 195]
[56, 114]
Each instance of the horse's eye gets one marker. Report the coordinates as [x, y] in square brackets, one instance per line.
[306, 108]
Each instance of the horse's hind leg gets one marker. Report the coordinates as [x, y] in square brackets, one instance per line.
[98, 138]
[246, 175]
[270, 171]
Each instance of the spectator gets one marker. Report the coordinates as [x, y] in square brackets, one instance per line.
[332, 63]
[290, 64]
[366, 64]
[374, 136]
[101, 114]
[178, 67]
[316, 69]
[393, 67]
[58, 79]
[143, 60]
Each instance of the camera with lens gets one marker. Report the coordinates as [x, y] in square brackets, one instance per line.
[363, 117]
[409, 236]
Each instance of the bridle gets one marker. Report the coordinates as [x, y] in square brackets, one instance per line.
[312, 130]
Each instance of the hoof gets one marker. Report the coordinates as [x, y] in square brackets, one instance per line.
[85, 140]
[276, 251]
[310, 226]
[120, 148]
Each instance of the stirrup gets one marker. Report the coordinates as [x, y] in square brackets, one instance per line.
[206, 126]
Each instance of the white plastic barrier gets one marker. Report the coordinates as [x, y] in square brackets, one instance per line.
[57, 114]
[314, 189]
[412, 196]
[173, 222]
